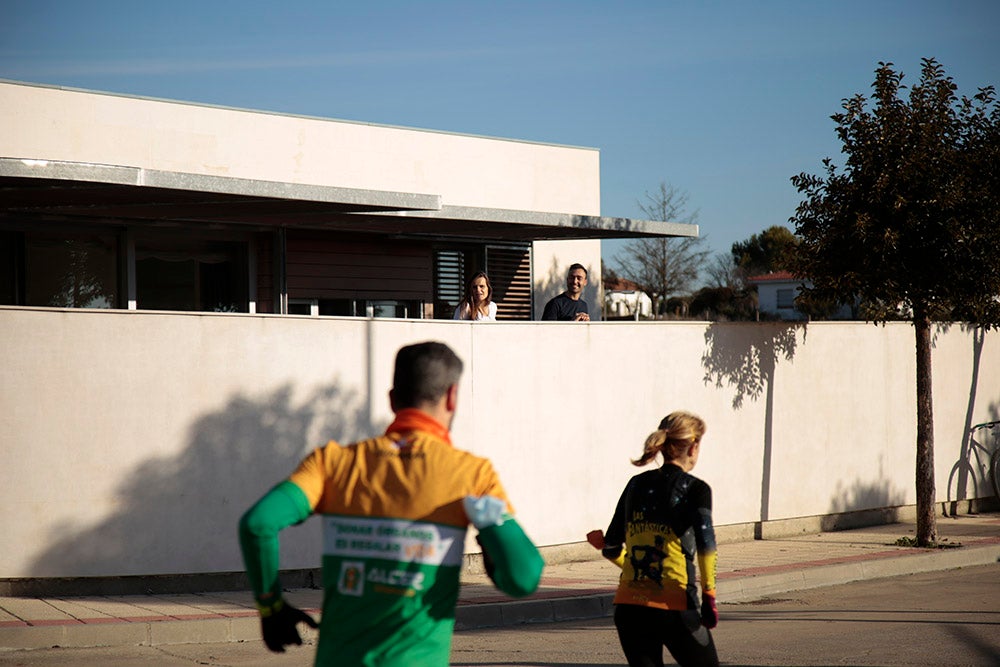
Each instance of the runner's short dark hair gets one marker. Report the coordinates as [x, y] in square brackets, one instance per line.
[423, 373]
[574, 267]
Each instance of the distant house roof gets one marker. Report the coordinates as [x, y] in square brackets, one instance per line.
[775, 276]
[621, 285]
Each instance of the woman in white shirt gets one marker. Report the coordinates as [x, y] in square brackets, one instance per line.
[477, 304]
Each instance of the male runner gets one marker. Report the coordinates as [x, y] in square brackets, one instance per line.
[395, 509]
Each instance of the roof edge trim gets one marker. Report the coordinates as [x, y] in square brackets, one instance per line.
[628, 227]
[169, 180]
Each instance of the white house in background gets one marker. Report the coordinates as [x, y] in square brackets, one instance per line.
[776, 294]
[624, 299]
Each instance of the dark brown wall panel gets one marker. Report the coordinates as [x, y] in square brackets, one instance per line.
[321, 267]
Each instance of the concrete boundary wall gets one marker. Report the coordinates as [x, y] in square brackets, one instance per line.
[132, 441]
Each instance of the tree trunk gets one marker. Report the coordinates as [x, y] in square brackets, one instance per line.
[926, 516]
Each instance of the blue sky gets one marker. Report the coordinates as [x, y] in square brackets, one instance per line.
[723, 100]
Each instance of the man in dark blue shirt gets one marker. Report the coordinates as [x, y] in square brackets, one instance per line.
[568, 306]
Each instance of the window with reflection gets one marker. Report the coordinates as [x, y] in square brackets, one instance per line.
[10, 274]
[174, 273]
[71, 270]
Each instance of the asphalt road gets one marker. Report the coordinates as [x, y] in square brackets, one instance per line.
[936, 618]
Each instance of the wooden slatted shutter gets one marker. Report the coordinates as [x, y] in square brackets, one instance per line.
[325, 266]
[509, 269]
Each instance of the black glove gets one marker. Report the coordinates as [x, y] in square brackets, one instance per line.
[278, 626]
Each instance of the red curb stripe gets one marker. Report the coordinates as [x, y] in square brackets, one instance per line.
[559, 581]
[13, 624]
[571, 594]
[147, 619]
[57, 621]
[98, 620]
[814, 563]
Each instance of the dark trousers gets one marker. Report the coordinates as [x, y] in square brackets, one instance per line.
[644, 631]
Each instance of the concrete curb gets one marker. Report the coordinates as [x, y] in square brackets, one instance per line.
[747, 589]
[142, 633]
[518, 612]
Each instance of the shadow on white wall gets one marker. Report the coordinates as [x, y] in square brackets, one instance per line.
[233, 456]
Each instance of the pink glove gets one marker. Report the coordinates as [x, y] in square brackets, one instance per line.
[596, 539]
[709, 612]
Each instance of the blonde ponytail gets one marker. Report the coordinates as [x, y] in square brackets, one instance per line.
[652, 447]
[677, 431]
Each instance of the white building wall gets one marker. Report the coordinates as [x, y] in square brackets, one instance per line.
[133, 441]
[43, 123]
[767, 301]
[767, 297]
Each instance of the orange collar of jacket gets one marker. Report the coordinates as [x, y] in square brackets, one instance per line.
[412, 419]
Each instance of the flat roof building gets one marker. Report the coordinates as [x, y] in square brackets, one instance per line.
[112, 201]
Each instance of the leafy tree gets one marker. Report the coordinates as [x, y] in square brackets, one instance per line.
[911, 224]
[724, 303]
[769, 251]
[663, 266]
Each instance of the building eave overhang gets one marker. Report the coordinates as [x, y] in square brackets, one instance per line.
[529, 225]
[86, 192]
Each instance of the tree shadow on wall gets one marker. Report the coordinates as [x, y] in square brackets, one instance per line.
[178, 515]
[967, 480]
[744, 356]
[864, 504]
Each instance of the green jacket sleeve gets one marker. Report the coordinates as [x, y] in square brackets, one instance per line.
[282, 506]
[516, 563]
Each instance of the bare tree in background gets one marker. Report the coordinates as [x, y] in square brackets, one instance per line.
[664, 266]
[722, 271]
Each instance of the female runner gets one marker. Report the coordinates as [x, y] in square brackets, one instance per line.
[662, 524]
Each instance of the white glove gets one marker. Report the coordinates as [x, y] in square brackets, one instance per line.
[484, 511]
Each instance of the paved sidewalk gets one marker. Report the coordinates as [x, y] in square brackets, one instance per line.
[747, 571]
